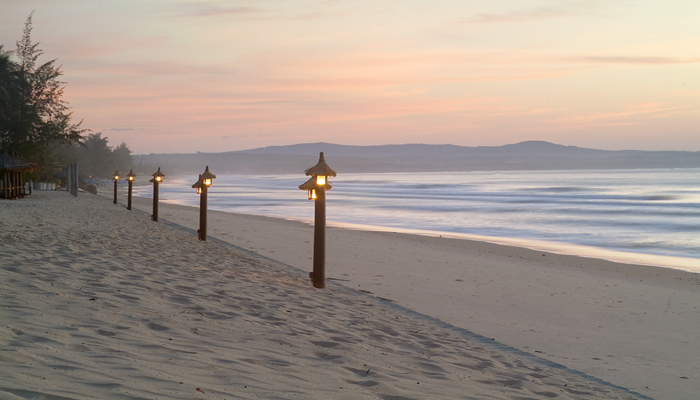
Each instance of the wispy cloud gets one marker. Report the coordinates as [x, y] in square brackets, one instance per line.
[108, 44]
[651, 60]
[522, 15]
[122, 129]
[630, 115]
[212, 9]
[220, 9]
[561, 9]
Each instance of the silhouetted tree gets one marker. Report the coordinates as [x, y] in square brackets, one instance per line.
[34, 119]
[122, 158]
[9, 91]
[96, 158]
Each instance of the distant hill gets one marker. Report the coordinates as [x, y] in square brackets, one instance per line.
[529, 155]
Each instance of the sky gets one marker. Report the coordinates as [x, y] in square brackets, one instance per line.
[181, 76]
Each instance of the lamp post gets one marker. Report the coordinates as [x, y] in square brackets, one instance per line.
[199, 188]
[316, 187]
[130, 178]
[116, 178]
[157, 178]
[202, 187]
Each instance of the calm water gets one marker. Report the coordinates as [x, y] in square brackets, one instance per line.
[640, 211]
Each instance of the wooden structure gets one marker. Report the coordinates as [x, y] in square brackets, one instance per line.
[11, 182]
[202, 186]
[317, 186]
[157, 178]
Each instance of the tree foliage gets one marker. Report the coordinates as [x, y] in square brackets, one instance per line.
[96, 158]
[34, 120]
[122, 157]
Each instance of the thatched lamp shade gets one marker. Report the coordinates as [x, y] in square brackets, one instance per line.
[320, 171]
[158, 176]
[198, 185]
[310, 186]
[131, 175]
[116, 175]
[207, 177]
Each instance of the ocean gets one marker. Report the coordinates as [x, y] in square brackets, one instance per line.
[655, 212]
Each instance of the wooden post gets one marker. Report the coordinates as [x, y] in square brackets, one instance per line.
[155, 200]
[319, 273]
[115, 189]
[76, 184]
[203, 214]
[15, 191]
[128, 202]
[11, 178]
[22, 186]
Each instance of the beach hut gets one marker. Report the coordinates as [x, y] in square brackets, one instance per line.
[11, 183]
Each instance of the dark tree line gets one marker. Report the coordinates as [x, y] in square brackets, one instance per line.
[36, 123]
[97, 159]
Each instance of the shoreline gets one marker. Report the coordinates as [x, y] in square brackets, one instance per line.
[581, 216]
[688, 264]
[606, 319]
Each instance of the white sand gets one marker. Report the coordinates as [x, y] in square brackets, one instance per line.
[100, 302]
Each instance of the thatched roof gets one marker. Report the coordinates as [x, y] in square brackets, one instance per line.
[321, 168]
[207, 174]
[198, 184]
[158, 173]
[10, 163]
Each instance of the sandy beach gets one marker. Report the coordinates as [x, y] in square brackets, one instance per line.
[101, 302]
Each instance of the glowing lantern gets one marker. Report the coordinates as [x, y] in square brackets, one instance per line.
[158, 176]
[207, 177]
[198, 185]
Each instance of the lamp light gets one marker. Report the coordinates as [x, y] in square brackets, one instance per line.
[116, 175]
[130, 177]
[310, 187]
[198, 185]
[158, 176]
[207, 177]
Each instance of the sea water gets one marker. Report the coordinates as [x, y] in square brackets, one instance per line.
[639, 211]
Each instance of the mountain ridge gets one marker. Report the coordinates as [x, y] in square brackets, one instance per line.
[527, 155]
[537, 146]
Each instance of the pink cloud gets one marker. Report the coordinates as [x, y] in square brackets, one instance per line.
[634, 60]
[634, 114]
[209, 9]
